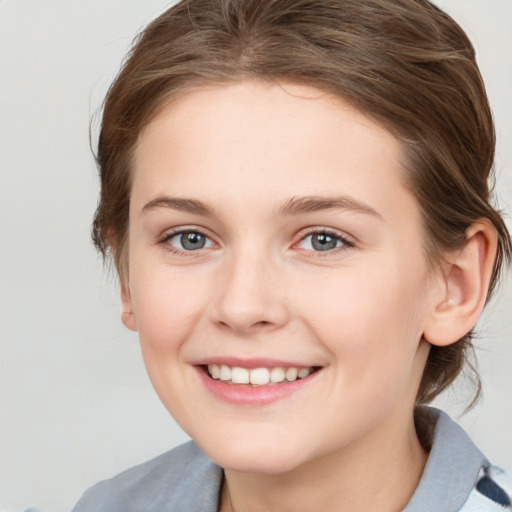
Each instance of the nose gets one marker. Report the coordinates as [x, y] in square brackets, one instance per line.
[250, 296]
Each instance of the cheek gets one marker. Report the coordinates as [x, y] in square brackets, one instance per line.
[372, 327]
[369, 317]
[166, 307]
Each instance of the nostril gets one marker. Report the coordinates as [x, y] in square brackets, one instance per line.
[261, 324]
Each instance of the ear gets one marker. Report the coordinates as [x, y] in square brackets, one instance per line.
[466, 277]
[127, 316]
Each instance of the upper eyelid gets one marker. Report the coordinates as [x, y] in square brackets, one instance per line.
[347, 244]
[300, 235]
[342, 235]
[167, 235]
[172, 232]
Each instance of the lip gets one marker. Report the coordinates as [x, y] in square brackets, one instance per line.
[243, 394]
[251, 363]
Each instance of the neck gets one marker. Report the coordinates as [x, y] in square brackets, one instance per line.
[384, 467]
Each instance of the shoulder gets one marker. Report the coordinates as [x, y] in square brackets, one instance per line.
[183, 476]
[492, 492]
[458, 477]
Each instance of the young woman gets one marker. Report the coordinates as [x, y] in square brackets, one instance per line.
[295, 195]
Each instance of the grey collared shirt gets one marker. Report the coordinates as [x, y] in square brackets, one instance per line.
[184, 479]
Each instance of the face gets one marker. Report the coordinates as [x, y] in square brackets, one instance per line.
[276, 274]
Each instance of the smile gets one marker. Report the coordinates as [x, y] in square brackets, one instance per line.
[254, 382]
[257, 376]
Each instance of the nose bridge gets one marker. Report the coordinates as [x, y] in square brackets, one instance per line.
[250, 292]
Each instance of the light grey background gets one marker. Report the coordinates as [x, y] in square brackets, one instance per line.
[76, 405]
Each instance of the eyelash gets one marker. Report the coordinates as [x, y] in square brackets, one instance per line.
[346, 242]
[339, 237]
[182, 252]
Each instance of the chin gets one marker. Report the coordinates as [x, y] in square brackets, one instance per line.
[247, 463]
[273, 457]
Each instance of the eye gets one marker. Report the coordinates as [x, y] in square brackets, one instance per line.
[322, 241]
[188, 241]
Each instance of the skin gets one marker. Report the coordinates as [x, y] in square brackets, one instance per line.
[260, 289]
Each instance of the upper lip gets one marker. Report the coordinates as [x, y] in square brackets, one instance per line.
[252, 362]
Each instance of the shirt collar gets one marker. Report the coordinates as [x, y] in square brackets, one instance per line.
[452, 468]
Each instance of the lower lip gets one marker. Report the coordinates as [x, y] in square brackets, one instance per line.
[243, 394]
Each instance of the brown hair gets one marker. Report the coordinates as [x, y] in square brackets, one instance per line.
[404, 63]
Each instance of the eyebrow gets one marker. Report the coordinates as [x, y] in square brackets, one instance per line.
[176, 203]
[308, 204]
[293, 206]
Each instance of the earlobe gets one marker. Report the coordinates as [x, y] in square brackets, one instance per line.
[466, 278]
[127, 316]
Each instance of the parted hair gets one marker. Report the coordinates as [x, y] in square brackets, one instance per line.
[404, 63]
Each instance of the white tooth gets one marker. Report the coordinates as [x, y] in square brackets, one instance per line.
[239, 375]
[260, 376]
[291, 374]
[303, 372]
[214, 370]
[277, 374]
[224, 372]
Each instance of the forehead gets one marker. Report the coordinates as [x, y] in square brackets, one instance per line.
[256, 139]
[226, 111]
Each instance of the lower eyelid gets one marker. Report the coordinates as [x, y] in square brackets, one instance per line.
[343, 240]
[165, 240]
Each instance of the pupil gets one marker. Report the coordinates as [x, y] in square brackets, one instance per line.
[323, 242]
[192, 241]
